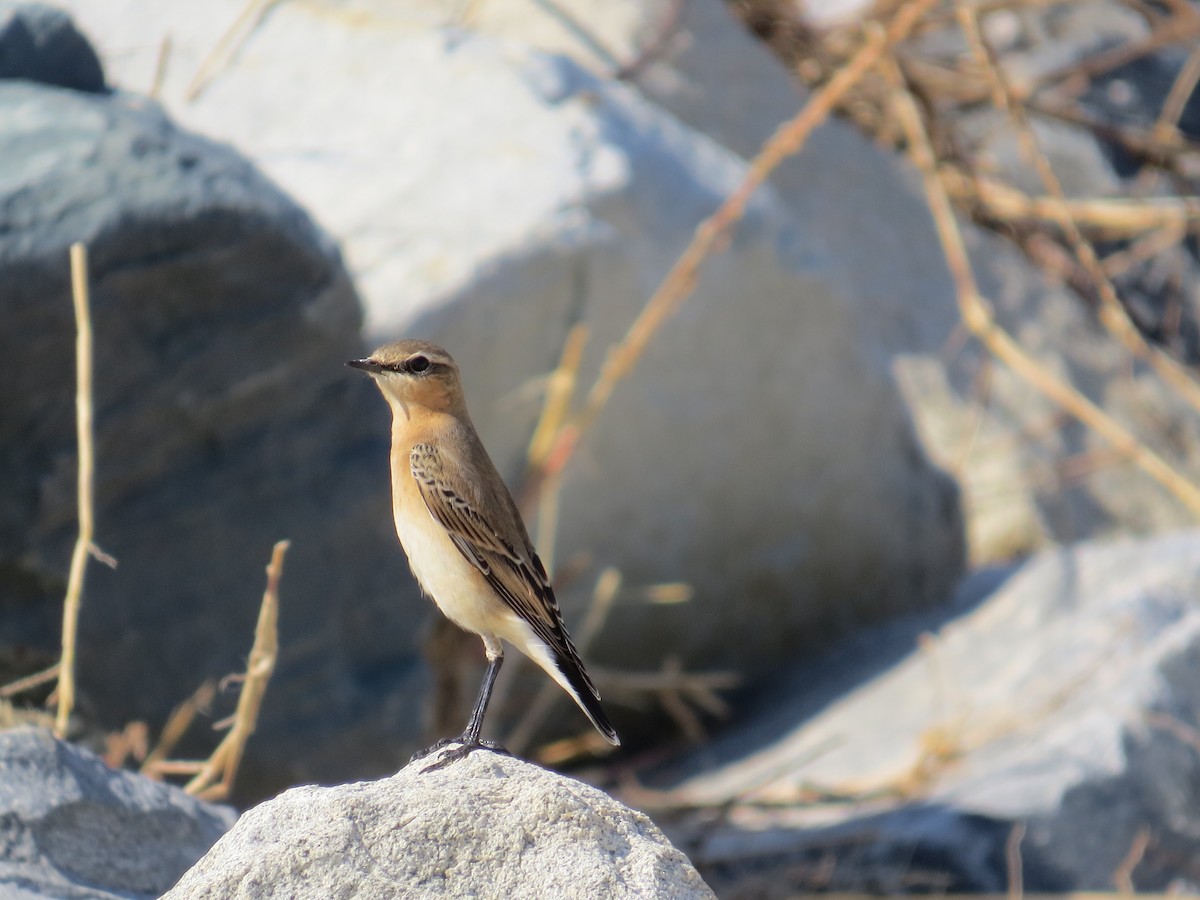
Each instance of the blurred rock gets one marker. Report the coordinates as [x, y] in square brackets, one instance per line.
[40, 43]
[72, 827]
[1010, 449]
[224, 422]
[1066, 701]
[1080, 487]
[487, 826]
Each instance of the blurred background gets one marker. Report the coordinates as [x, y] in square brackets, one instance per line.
[875, 520]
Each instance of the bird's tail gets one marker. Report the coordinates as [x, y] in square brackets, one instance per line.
[580, 687]
[562, 663]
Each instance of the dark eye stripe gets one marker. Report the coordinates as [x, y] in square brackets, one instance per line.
[404, 368]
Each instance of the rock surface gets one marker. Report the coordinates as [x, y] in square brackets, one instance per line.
[40, 43]
[487, 826]
[1065, 701]
[72, 827]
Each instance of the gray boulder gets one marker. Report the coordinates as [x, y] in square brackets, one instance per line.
[70, 827]
[41, 43]
[487, 826]
[1065, 701]
[224, 421]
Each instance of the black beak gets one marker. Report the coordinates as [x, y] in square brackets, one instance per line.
[367, 365]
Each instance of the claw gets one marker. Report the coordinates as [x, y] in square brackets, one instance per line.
[433, 748]
[462, 748]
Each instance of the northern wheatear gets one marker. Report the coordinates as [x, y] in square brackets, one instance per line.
[463, 535]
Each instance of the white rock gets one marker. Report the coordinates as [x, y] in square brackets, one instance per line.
[486, 826]
[71, 826]
[1065, 701]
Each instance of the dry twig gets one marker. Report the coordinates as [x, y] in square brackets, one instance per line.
[711, 235]
[1167, 127]
[1075, 77]
[1123, 875]
[228, 46]
[1110, 217]
[83, 430]
[215, 779]
[178, 722]
[29, 682]
[1014, 862]
[977, 313]
[1112, 312]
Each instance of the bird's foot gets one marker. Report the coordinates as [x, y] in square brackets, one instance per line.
[433, 748]
[460, 748]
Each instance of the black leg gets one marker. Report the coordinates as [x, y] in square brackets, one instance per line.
[475, 723]
[469, 739]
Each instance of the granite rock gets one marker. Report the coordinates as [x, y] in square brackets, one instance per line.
[72, 827]
[39, 42]
[487, 826]
[1059, 697]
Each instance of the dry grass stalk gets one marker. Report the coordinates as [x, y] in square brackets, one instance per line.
[1141, 250]
[1111, 311]
[677, 692]
[29, 682]
[1183, 26]
[131, 742]
[1014, 862]
[1167, 126]
[1109, 218]
[977, 314]
[178, 723]
[711, 235]
[161, 60]
[227, 47]
[658, 44]
[1123, 875]
[13, 716]
[560, 390]
[83, 430]
[1139, 142]
[1175, 726]
[215, 779]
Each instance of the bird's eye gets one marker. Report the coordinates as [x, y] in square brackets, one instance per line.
[417, 364]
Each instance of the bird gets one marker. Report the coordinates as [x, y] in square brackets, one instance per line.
[464, 538]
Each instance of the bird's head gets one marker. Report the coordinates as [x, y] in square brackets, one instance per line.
[414, 372]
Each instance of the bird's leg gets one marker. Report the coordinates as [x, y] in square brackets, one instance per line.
[469, 739]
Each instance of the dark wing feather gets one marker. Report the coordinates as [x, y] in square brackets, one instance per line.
[516, 573]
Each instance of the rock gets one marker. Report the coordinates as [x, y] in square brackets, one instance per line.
[1065, 700]
[975, 419]
[487, 826]
[72, 827]
[40, 43]
[224, 422]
